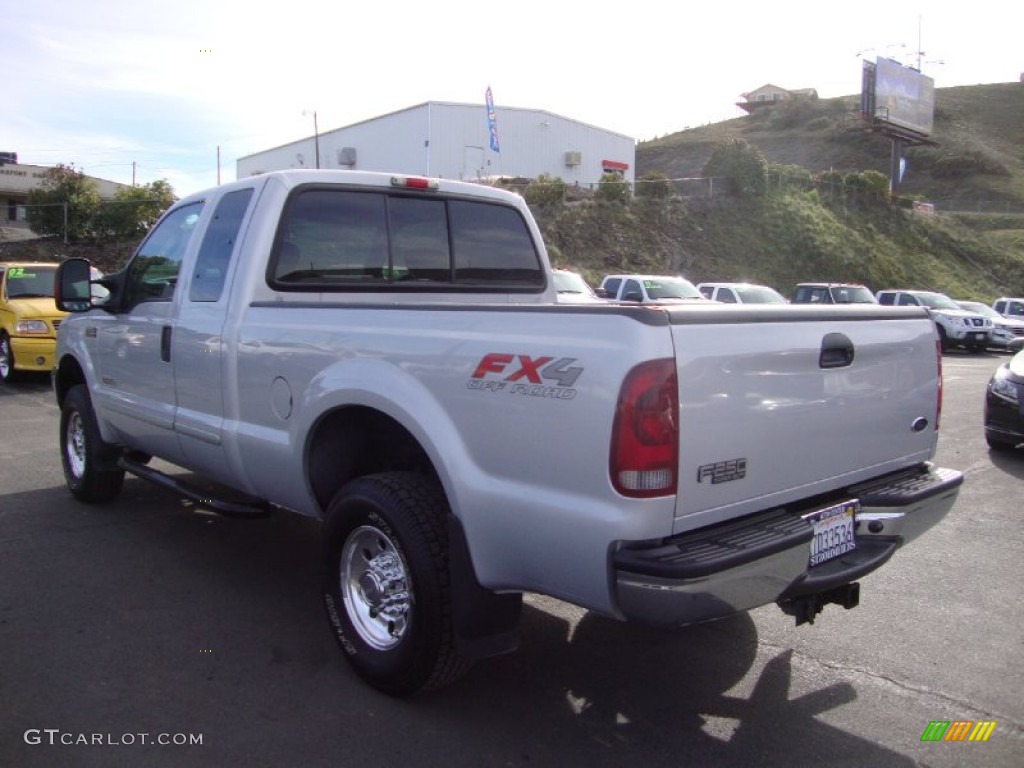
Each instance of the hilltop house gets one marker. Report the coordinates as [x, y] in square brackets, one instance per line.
[769, 94]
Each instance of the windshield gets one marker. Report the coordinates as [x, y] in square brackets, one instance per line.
[570, 282]
[759, 294]
[937, 301]
[30, 281]
[672, 288]
[852, 294]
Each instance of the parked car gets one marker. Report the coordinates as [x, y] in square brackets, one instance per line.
[1007, 332]
[741, 293]
[956, 326]
[1008, 307]
[1004, 405]
[28, 318]
[832, 293]
[650, 289]
[572, 288]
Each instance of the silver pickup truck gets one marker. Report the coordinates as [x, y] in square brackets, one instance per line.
[386, 353]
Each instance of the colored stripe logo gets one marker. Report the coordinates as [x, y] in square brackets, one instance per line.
[958, 730]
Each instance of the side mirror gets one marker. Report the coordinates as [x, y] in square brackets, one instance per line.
[633, 296]
[72, 290]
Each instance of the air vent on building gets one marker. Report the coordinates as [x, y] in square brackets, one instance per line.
[347, 156]
[573, 158]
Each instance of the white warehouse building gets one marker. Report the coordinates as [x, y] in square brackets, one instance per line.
[453, 141]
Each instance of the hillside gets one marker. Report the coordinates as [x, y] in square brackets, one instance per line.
[972, 248]
[977, 164]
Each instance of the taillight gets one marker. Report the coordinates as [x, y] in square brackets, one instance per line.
[938, 396]
[645, 434]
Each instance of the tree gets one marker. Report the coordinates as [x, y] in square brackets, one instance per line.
[742, 166]
[134, 210]
[63, 188]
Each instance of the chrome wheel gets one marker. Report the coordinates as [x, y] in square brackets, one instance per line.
[375, 588]
[75, 445]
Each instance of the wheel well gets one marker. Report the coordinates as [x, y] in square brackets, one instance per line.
[355, 441]
[69, 373]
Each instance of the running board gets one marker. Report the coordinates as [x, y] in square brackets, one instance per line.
[220, 506]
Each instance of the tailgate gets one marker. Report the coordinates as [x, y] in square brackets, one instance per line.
[780, 404]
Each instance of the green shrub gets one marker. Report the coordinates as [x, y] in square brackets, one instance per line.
[654, 185]
[545, 190]
[612, 189]
[741, 165]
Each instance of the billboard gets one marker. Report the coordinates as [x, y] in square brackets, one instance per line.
[898, 95]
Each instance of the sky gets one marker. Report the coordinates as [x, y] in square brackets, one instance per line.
[132, 90]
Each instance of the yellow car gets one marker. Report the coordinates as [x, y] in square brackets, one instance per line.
[28, 318]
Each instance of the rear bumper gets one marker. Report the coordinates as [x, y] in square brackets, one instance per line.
[724, 569]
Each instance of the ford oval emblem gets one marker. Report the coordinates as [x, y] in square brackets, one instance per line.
[919, 425]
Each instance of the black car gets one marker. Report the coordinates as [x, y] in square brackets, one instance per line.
[1004, 405]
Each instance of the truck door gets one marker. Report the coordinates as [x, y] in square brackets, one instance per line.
[136, 375]
[198, 346]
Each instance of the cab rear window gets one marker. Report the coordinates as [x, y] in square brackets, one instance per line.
[334, 239]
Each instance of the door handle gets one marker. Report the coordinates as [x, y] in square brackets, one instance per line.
[165, 344]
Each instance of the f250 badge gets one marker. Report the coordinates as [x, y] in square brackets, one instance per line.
[722, 471]
[525, 375]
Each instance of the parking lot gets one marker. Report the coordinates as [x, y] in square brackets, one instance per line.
[147, 623]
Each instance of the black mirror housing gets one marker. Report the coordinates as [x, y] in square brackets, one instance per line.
[72, 289]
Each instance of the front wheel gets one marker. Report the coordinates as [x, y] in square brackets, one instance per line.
[7, 372]
[83, 452]
[387, 583]
[943, 339]
[999, 445]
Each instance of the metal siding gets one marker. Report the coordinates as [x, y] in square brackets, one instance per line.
[531, 142]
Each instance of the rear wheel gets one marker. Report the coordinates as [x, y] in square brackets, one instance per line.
[7, 372]
[85, 457]
[387, 584]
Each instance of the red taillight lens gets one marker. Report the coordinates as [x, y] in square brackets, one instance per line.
[645, 434]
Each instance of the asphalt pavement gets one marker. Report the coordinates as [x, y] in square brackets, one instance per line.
[149, 633]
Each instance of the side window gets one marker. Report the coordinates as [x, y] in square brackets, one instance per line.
[632, 291]
[153, 273]
[611, 287]
[707, 291]
[1015, 308]
[218, 244]
[492, 245]
[726, 295]
[908, 301]
[887, 299]
[1000, 307]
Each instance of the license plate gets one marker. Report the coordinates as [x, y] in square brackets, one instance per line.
[833, 531]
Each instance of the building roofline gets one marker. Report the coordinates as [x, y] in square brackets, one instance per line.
[480, 106]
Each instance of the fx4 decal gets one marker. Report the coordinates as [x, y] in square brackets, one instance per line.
[526, 375]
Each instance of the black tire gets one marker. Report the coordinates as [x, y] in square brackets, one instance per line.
[387, 585]
[7, 372]
[943, 340]
[999, 445]
[83, 453]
